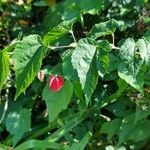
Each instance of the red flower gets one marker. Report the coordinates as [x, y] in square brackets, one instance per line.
[56, 82]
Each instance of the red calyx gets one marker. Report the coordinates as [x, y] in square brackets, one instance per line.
[56, 82]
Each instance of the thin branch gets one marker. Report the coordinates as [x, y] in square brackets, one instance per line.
[114, 47]
[60, 47]
[73, 36]
[113, 38]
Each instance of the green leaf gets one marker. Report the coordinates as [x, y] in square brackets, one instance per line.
[56, 102]
[72, 122]
[3, 147]
[18, 123]
[83, 61]
[4, 67]
[144, 49]
[27, 58]
[126, 128]
[11, 46]
[122, 85]
[111, 128]
[140, 131]
[69, 72]
[75, 8]
[40, 3]
[82, 144]
[93, 7]
[140, 114]
[71, 9]
[37, 144]
[57, 32]
[131, 69]
[102, 29]
[102, 58]
[78, 90]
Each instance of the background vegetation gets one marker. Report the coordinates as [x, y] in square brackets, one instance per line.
[101, 48]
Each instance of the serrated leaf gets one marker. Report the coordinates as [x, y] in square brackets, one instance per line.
[57, 32]
[27, 59]
[17, 123]
[102, 29]
[83, 61]
[102, 58]
[56, 102]
[144, 49]
[4, 67]
[131, 69]
[69, 72]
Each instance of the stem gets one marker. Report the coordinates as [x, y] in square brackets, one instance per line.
[71, 124]
[40, 132]
[113, 38]
[114, 47]
[73, 36]
[60, 47]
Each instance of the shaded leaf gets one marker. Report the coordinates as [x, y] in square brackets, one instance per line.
[81, 145]
[140, 114]
[111, 128]
[37, 144]
[93, 7]
[71, 9]
[17, 123]
[140, 131]
[102, 58]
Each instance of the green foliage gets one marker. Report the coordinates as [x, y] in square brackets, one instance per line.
[83, 62]
[103, 29]
[4, 67]
[27, 59]
[18, 123]
[131, 69]
[144, 46]
[102, 58]
[57, 32]
[82, 143]
[100, 49]
[56, 102]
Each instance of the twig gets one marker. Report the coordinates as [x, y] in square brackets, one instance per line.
[73, 36]
[59, 47]
[114, 47]
[113, 38]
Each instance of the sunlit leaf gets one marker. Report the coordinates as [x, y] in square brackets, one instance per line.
[27, 59]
